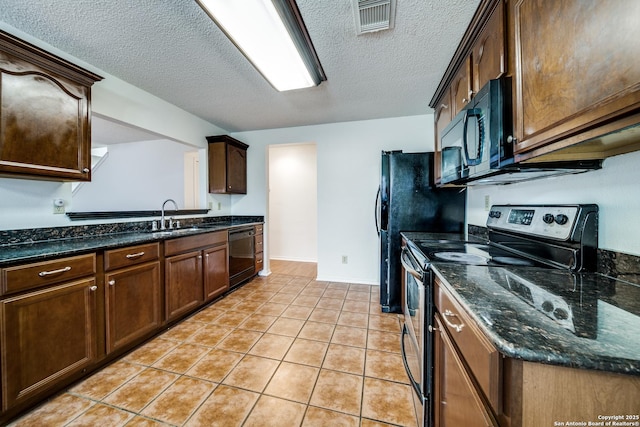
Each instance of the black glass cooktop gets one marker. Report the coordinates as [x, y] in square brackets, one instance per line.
[471, 253]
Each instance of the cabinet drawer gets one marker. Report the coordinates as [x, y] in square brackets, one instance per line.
[35, 275]
[259, 229]
[479, 354]
[259, 243]
[184, 244]
[259, 261]
[118, 258]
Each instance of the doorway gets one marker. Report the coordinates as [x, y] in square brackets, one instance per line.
[292, 203]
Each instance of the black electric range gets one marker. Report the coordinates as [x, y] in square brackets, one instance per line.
[530, 243]
[523, 242]
[553, 236]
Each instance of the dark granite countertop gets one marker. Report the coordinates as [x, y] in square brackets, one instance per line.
[42, 249]
[605, 312]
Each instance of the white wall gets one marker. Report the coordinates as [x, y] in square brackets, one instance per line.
[614, 188]
[348, 178]
[293, 202]
[149, 171]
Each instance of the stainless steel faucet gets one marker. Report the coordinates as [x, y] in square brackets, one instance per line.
[175, 205]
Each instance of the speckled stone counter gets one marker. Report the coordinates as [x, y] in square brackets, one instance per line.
[66, 241]
[604, 312]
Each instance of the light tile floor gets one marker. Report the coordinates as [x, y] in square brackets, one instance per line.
[281, 351]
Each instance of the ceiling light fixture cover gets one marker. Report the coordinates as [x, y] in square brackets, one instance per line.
[272, 36]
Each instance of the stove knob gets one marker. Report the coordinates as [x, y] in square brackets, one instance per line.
[495, 214]
[548, 218]
[547, 306]
[560, 314]
[562, 219]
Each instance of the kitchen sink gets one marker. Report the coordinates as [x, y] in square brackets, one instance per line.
[174, 232]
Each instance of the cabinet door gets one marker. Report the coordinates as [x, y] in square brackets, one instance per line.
[216, 271]
[236, 170]
[46, 336]
[488, 52]
[576, 67]
[132, 303]
[227, 165]
[461, 88]
[183, 284]
[44, 122]
[457, 401]
[442, 118]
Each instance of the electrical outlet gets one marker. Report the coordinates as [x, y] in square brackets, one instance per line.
[58, 206]
[219, 205]
[210, 205]
[487, 203]
[345, 259]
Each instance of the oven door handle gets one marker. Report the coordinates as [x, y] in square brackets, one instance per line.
[416, 386]
[408, 265]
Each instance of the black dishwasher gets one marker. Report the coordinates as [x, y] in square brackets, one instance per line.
[241, 255]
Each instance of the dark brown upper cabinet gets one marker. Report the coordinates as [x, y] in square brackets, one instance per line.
[45, 114]
[577, 78]
[227, 165]
[488, 51]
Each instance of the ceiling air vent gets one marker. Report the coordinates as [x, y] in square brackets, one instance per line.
[374, 15]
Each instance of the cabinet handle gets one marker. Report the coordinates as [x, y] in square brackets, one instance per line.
[449, 313]
[85, 170]
[511, 139]
[48, 273]
[136, 255]
[93, 288]
[206, 255]
[112, 282]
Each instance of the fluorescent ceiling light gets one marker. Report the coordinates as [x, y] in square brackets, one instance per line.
[272, 35]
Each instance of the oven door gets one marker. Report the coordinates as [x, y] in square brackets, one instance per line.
[416, 338]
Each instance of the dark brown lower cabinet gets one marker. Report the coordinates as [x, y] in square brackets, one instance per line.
[133, 304]
[196, 269]
[183, 283]
[457, 401]
[47, 336]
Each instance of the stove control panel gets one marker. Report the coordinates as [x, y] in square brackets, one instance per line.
[548, 221]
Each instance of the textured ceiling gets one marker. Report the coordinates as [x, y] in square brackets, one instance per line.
[172, 49]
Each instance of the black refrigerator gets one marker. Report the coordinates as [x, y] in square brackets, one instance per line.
[408, 200]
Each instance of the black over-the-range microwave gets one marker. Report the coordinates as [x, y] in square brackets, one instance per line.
[477, 146]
